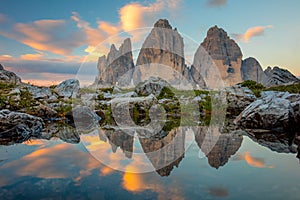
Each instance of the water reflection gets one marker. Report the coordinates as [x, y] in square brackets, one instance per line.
[226, 146]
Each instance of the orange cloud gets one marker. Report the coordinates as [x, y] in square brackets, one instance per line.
[251, 32]
[54, 36]
[252, 161]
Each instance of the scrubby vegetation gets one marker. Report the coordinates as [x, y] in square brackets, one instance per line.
[294, 88]
[254, 86]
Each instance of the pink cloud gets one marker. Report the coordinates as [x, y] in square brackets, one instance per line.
[251, 32]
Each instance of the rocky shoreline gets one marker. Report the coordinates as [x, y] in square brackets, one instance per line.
[66, 111]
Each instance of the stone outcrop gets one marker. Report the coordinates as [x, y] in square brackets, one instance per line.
[117, 67]
[163, 48]
[8, 77]
[83, 118]
[238, 98]
[273, 111]
[18, 127]
[278, 76]
[154, 86]
[68, 88]
[252, 70]
[225, 53]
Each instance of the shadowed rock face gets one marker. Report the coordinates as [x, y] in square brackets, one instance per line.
[225, 53]
[252, 70]
[163, 46]
[118, 138]
[226, 146]
[8, 77]
[117, 66]
[278, 76]
[166, 152]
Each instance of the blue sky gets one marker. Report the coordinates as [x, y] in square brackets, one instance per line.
[45, 39]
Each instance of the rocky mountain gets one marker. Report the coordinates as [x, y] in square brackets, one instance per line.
[117, 66]
[218, 57]
[252, 70]
[163, 47]
[278, 76]
[225, 53]
[8, 77]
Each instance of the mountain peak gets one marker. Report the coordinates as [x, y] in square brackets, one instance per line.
[1, 67]
[163, 23]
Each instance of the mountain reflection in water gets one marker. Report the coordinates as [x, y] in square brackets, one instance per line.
[42, 168]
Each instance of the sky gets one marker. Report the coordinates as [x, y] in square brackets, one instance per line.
[45, 42]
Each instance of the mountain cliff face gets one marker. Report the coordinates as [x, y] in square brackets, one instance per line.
[278, 76]
[225, 53]
[163, 46]
[218, 57]
[252, 70]
[117, 66]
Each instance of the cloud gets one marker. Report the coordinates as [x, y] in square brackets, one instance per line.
[3, 18]
[131, 16]
[55, 36]
[251, 32]
[252, 161]
[216, 3]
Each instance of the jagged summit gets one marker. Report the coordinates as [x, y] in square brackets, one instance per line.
[114, 68]
[278, 76]
[163, 23]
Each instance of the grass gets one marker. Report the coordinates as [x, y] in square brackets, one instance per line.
[254, 86]
[293, 88]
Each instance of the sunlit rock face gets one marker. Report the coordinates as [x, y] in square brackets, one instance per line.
[163, 45]
[225, 53]
[278, 76]
[226, 145]
[252, 70]
[117, 66]
[165, 152]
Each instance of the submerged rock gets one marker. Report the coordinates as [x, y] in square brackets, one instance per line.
[17, 127]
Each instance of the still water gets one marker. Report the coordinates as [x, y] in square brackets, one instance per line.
[236, 168]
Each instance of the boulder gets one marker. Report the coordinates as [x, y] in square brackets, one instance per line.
[9, 77]
[18, 127]
[238, 98]
[83, 118]
[269, 112]
[39, 92]
[63, 131]
[154, 86]
[1, 67]
[68, 88]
